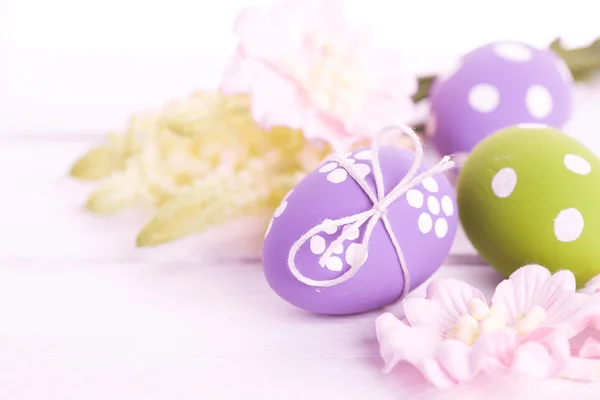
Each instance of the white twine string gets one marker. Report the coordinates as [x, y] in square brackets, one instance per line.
[380, 201]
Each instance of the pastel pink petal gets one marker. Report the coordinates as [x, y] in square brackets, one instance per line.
[317, 125]
[276, 102]
[453, 296]
[587, 316]
[590, 348]
[399, 342]
[582, 369]
[543, 360]
[534, 360]
[455, 358]
[567, 308]
[518, 292]
[433, 371]
[592, 285]
[426, 312]
[492, 352]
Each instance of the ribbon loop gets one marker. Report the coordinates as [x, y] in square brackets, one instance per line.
[370, 217]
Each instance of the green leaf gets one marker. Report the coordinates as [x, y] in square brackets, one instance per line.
[96, 164]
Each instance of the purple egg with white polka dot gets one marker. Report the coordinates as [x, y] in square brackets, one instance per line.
[495, 86]
[423, 221]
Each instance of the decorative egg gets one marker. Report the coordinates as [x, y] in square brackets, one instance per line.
[495, 86]
[423, 221]
[531, 194]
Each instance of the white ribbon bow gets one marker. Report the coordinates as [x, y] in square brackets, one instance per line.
[378, 212]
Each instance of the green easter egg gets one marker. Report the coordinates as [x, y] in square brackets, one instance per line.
[530, 194]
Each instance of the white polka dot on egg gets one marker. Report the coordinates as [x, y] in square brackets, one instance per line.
[447, 205]
[338, 249]
[539, 101]
[430, 184]
[577, 164]
[353, 255]
[568, 225]
[425, 223]
[334, 264]
[441, 228]
[330, 227]
[279, 210]
[337, 175]
[364, 155]
[317, 244]
[484, 97]
[511, 51]
[414, 198]
[433, 205]
[352, 233]
[504, 182]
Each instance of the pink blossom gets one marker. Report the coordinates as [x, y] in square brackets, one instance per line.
[305, 66]
[454, 334]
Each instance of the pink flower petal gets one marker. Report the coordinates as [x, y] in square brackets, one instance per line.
[290, 59]
[316, 125]
[426, 312]
[544, 360]
[533, 359]
[533, 285]
[592, 285]
[590, 348]
[399, 342]
[275, 102]
[433, 371]
[492, 352]
[456, 358]
[453, 296]
[582, 369]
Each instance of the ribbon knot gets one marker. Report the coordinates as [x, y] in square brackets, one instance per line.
[378, 212]
[379, 209]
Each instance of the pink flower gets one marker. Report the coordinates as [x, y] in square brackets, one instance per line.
[536, 300]
[306, 67]
[454, 334]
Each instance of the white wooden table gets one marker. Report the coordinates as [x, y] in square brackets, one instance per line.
[85, 315]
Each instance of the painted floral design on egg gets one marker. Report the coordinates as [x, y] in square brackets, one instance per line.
[326, 195]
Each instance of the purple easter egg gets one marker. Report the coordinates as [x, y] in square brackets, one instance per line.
[423, 220]
[498, 85]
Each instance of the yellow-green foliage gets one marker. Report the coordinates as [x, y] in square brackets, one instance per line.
[202, 162]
